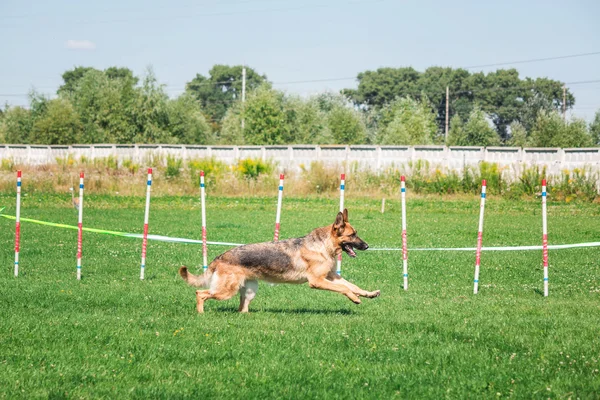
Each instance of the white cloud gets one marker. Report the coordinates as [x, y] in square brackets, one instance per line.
[80, 45]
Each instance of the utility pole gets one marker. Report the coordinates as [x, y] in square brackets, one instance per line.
[564, 110]
[447, 111]
[243, 91]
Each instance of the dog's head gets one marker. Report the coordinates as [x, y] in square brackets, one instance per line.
[345, 235]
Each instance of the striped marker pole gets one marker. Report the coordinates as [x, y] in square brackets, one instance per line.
[146, 214]
[479, 238]
[544, 238]
[342, 188]
[278, 215]
[18, 224]
[203, 204]
[80, 226]
[404, 247]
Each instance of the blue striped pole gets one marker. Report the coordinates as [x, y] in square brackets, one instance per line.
[544, 238]
[18, 224]
[278, 215]
[146, 215]
[80, 227]
[202, 201]
[404, 247]
[479, 238]
[342, 188]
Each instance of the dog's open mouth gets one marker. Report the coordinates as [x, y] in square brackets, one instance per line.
[347, 247]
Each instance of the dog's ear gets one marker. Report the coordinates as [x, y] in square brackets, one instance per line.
[345, 214]
[339, 223]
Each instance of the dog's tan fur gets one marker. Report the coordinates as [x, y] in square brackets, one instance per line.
[311, 259]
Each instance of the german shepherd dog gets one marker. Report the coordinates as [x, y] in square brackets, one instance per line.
[311, 259]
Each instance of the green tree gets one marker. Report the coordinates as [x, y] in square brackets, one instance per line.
[105, 107]
[532, 107]
[346, 126]
[186, 121]
[456, 133]
[501, 94]
[595, 129]
[264, 119]
[217, 92]
[551, 131]
[310, 122]
[433, 82]
[72, 78]
[122, 73]
[59, 124]
[412, 123]
[149, 113]
[518, 135]
[377, 88]
[16, 124]
[231, 129]
[475, 132]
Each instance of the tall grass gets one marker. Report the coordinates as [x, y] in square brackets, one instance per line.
[255, 177]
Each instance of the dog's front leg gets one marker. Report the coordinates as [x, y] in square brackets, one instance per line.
[337, 279]
[324, 284]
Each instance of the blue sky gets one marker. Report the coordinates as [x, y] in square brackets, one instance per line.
[296, 41]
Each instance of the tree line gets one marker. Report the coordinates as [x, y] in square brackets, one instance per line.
[390, 106]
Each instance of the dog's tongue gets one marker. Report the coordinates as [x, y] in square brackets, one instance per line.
[351, 251]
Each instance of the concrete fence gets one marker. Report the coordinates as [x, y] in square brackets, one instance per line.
[294, 156]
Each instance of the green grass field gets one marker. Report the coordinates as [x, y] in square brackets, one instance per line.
[111, 335]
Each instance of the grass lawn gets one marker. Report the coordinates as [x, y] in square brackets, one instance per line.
[111, 335]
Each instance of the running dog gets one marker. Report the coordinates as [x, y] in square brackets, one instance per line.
[311, 259]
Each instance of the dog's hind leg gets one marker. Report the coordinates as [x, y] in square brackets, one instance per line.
[222, 287]
[335, 278]
[247, 293]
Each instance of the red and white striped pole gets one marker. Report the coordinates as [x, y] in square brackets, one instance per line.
[278, 215]
[544, 238]
[18, 224]
[342, 188]
[203, 205]
[404, 247]
[479, 238]
[80, 226]
[147, 213]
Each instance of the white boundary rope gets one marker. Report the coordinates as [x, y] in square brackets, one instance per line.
[504, 248]
[501, 248]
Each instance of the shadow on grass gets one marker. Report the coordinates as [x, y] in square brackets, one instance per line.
[307, 311]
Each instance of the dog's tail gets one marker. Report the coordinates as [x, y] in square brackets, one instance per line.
[196, 280]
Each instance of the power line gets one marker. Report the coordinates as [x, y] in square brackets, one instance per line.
[534, 60]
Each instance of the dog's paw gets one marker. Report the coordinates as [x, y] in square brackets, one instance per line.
[374, 294]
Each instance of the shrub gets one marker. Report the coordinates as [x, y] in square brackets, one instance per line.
[174, 165]
[251, 168]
